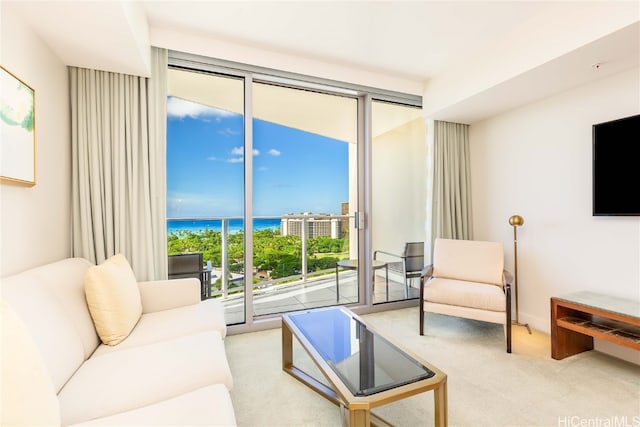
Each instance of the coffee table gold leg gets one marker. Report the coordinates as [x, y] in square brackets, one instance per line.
[359, 417]
[440, 403]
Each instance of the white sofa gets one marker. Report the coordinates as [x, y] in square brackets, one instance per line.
[170, 370]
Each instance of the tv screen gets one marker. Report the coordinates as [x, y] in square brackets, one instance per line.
[616, 167]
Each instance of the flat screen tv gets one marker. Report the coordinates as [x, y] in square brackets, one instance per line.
[616, 167]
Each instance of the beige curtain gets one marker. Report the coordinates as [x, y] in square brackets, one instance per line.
[118, 147]
[451, 204]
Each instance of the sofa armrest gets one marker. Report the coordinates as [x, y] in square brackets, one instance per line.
[158, 295]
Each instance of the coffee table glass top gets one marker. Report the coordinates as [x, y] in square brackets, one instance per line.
[366, 362]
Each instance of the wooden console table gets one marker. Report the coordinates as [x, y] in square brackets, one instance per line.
[578, 318]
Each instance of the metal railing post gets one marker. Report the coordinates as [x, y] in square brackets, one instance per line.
[225, 258]
[303, 238]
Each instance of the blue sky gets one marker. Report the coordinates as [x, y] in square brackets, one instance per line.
[294, 171]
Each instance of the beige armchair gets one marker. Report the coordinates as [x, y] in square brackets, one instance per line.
[467, 279]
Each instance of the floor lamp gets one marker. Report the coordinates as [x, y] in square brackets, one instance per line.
[516, 221]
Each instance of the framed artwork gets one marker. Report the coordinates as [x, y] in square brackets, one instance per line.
[18, 131]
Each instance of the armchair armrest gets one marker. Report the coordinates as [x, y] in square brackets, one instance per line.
[427, 272]
[507, 277]
[375, 254]
[158, 295]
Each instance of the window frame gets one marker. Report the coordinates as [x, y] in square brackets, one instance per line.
[365, 96]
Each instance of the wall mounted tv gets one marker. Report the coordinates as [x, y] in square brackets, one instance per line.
[616, 167]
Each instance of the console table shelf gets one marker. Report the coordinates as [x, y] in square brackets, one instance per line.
[579, 318]
[602, 331]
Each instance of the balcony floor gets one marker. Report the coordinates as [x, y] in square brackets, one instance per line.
[316, 292]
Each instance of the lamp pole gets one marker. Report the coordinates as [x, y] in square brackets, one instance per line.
[516, 221]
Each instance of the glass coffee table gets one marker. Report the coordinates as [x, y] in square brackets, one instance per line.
[360, 368]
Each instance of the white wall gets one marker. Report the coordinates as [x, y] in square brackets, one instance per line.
[536, 161]
[399, 187]
[35, 221]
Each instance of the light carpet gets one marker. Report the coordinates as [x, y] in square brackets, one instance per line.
[486, 386]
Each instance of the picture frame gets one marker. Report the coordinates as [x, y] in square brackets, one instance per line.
[17, 130]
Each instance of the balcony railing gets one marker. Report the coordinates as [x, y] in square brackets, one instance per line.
[305, 226]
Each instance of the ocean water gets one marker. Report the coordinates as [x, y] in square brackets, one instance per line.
[235, 225]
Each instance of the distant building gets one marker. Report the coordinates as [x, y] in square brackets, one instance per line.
[344, 222]
[316, 225]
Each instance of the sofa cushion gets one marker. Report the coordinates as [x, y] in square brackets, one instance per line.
[132, 378]
[471, 260]
[28, 395]
[209, 406]
[154, 327]
[113, 298]
[466, 294]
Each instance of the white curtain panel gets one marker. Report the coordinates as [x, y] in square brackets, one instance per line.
[451, 206]
[118, 157]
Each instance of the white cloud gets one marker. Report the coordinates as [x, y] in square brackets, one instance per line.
[239, 151]
[274, 152]
[228, 132]
[180, 108]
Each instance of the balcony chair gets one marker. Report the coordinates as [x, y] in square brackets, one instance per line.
[191, 265]
[467, 280]
[409, 263]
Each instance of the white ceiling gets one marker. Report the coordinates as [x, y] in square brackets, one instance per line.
[461, 54]
[410, 39]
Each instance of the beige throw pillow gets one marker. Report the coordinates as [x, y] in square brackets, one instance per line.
[113, 297]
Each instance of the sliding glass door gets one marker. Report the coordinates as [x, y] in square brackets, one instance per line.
[297, 194]
[304, 195]
[300, 156]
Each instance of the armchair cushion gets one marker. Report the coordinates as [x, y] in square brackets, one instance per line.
[466, 294]
[113, 298]
[473, 261]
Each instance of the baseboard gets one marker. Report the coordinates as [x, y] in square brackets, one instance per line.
[620, 352]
